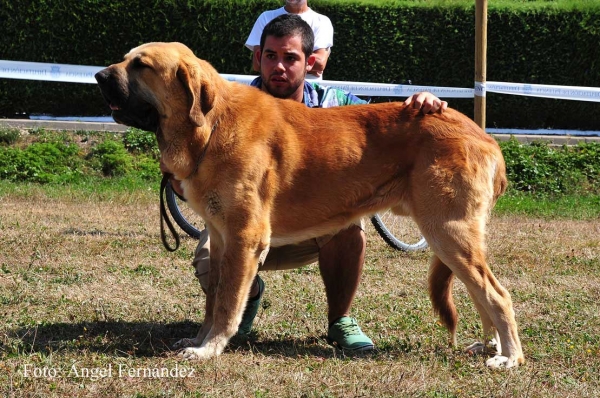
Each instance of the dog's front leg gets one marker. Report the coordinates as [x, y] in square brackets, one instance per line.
[233, 280]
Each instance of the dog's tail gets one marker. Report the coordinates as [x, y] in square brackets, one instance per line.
[441, 280]
[500, 180]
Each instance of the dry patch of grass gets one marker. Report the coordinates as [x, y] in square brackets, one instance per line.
[86, 290]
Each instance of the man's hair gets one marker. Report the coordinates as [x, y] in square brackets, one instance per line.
[290, 25]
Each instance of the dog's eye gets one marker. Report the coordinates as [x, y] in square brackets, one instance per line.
[137, 62]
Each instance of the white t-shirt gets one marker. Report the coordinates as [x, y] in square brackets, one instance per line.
[320, 24]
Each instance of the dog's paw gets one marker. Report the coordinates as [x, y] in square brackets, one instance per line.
[500, 361]
[478, 348]
[195, 353]
[184, 343]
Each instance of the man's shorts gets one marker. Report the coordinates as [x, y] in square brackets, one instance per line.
[272, 259]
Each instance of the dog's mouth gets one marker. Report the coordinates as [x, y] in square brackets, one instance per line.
[111, 103]
[126, 107]
[140, 115]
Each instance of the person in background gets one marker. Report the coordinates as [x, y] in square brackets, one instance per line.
[320, 25]
[285, 57]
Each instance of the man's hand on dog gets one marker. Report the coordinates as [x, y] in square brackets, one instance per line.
[426, 102]
[175, 184]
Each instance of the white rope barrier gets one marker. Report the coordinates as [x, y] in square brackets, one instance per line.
[377, 89]
[48, 72]
[85, 74]
[546, 91]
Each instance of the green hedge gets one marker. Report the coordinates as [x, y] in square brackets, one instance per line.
[539, 168]
[425, 42]
[69, 157]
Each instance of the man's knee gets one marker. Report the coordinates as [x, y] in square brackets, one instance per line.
[354, 231]
[351, 237]
[345, 249]
[201, 264]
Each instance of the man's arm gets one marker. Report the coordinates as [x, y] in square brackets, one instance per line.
[253, 40]
[321, 57]
[323, 30]
[255, 59]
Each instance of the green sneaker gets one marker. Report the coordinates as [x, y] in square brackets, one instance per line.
[346, 335]
[251, 310]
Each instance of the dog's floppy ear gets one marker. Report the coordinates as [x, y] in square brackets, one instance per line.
[200, 96]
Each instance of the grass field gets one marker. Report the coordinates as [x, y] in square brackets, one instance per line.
[91, 304]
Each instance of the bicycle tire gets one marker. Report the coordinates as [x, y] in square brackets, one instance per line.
[387, 226]
[175, 204]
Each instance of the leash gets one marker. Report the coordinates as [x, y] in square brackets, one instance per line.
[164, 218]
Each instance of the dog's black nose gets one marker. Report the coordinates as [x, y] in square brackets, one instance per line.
[102, 76]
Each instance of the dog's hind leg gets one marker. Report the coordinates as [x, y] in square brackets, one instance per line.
[458, 246]
[490, 335]
[441, 281]
[454, 190]
[498, 320]
[440, 292]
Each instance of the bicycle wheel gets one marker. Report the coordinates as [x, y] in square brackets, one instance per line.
[399, 232]
[190, 222]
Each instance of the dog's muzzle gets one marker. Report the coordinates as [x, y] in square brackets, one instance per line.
[126, 106]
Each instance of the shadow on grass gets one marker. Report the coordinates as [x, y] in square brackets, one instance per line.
[144, 339]
[99, 232]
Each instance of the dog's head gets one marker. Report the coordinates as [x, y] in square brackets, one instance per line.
[157, 83]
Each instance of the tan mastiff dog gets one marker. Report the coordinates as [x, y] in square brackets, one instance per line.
[268, 172]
